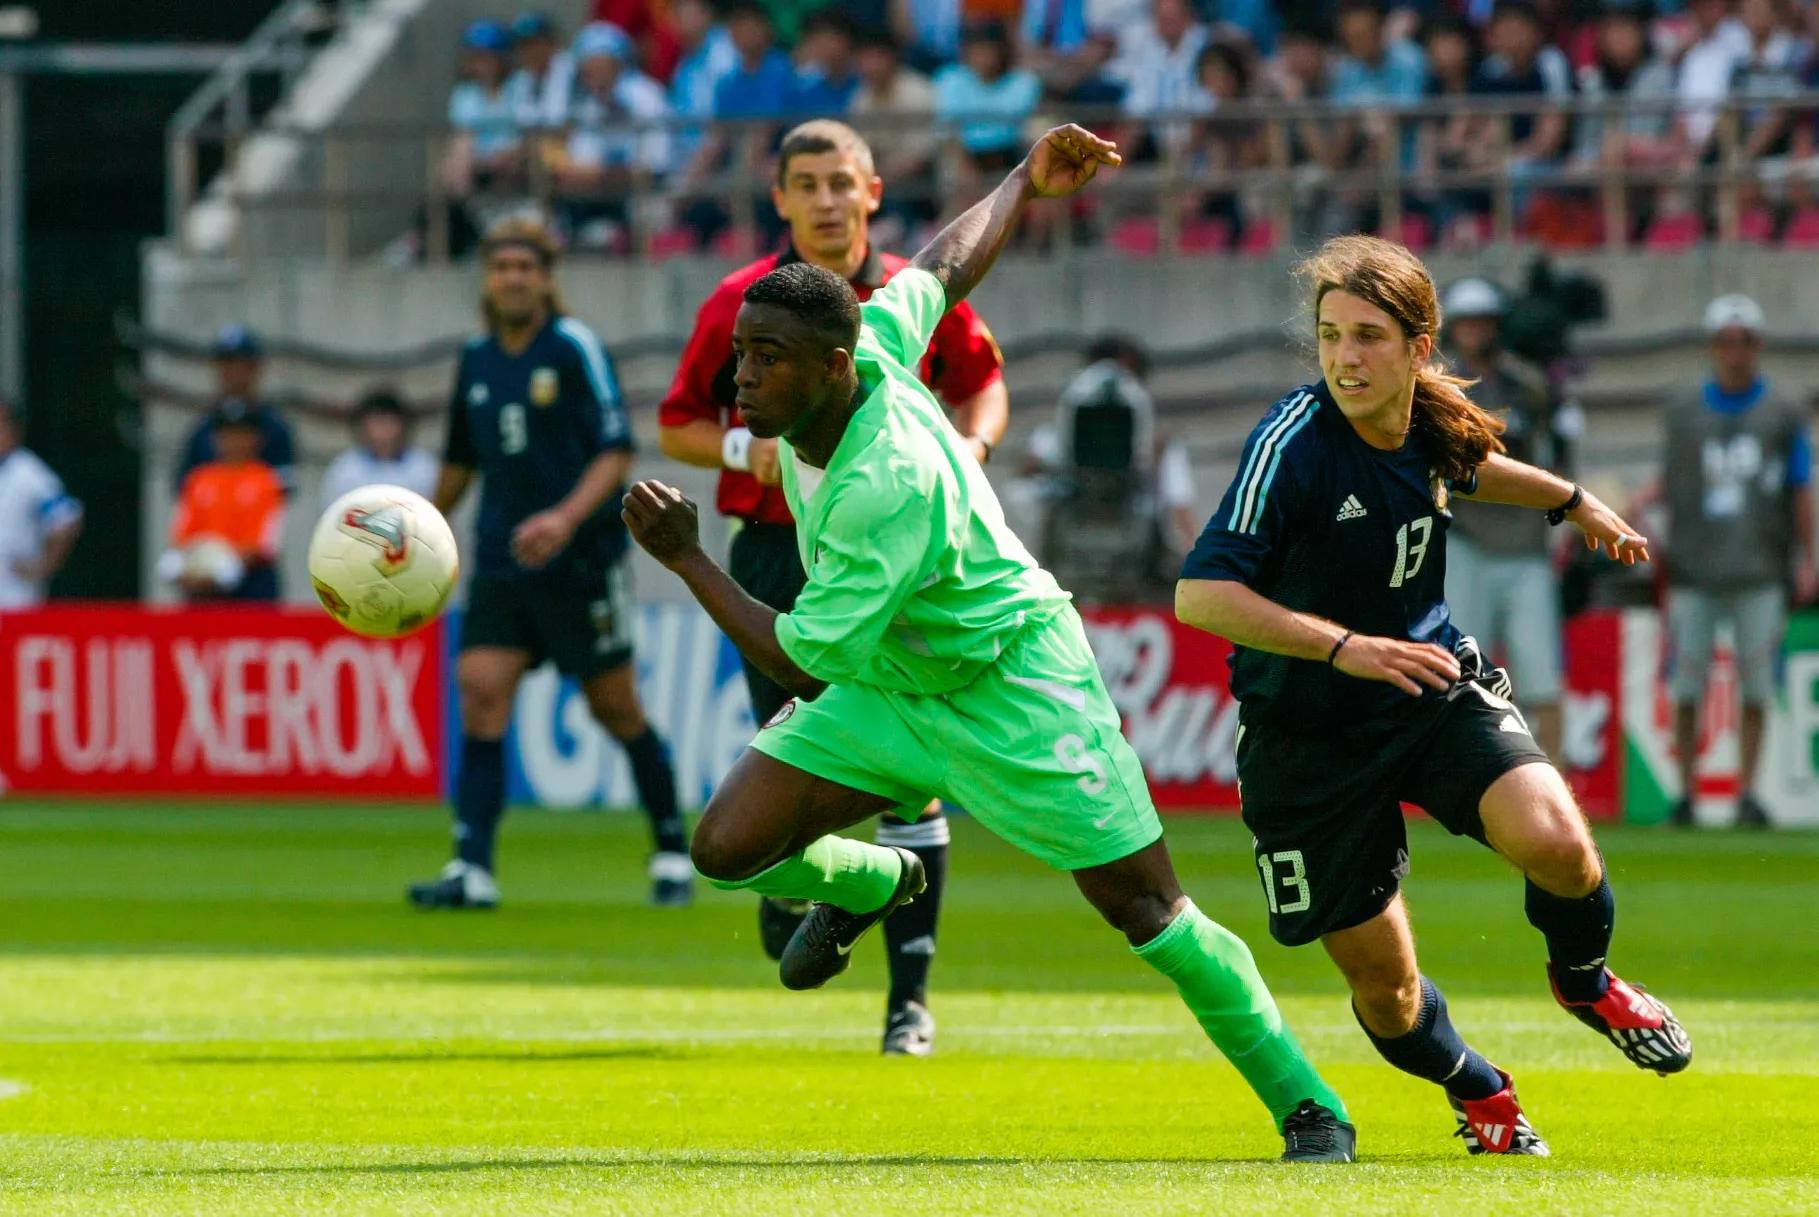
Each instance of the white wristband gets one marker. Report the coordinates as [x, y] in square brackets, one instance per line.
[736, 449]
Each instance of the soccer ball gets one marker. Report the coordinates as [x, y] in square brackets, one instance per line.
[383, 561]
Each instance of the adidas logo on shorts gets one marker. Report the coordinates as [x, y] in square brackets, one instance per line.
[1351, 509]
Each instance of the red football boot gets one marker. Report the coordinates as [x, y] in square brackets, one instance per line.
[1642, 1027]
[1496, 1125]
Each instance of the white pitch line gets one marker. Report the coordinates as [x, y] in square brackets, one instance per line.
[10, 1089]
[577, 1035]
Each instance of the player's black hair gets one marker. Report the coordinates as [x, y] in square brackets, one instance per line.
[822, 299]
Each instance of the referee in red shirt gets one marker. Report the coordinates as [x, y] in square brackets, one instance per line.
[827, 190]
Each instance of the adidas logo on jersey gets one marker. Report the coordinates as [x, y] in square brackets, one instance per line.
[1351, 509]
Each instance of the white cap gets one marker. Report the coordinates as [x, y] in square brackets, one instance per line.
[1472, 298]
[1734, 310]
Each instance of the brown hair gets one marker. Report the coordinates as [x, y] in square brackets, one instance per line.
[1388, 276]
[823, 135]
[523, 232]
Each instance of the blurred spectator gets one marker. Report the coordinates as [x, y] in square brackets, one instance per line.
[788, 17]
[382, 453]
[39, 521]
[708, 55]
[539, 89]
[1371, 67]
[1256, 20]
[1113, 479]
[759, 84]
[1524, 68]
[229, 517]
[239, 365]
[1373, 70]
[1647, 138]
[486, 153]
[892, 106]
[1443, 144]
[1500, 580]
[1157, 62]
[1737, 483]
[928, 31]
[1222, 145]
[644, 23]
[826, 78]
[756, 87]
[987, 98]
[611, 152]
[1714, 42]
[1069, 57]
[1768, 71]
[1318, 148]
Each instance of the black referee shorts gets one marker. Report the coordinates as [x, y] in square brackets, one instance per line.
[763, 560]
[1325, 808]
[581, 623]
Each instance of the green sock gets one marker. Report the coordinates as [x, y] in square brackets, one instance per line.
[853, 875]
[1219, 981]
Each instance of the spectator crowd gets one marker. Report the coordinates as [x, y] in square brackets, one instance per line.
[650, 104]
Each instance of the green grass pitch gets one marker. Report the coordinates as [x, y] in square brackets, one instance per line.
[231, 1011]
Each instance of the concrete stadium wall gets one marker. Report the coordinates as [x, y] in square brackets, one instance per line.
[1171, 305]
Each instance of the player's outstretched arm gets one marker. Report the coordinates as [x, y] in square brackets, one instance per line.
[1502, 480]
[1233, 611]
[665, 522]
[1063, 160]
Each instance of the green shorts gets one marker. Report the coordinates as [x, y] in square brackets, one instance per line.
[1031, 748]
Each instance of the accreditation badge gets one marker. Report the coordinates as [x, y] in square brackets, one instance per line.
[543, 387]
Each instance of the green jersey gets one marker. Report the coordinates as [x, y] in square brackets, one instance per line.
[915, 583]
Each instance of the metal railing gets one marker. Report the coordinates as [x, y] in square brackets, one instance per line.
[220, 114]
[1386, 170]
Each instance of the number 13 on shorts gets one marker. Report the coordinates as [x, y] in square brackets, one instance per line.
[1285, 867]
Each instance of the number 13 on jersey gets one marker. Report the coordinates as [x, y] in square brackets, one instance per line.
[1411, 549]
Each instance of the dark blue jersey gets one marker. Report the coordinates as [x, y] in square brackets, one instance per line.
[1321, 522]
[530, 424]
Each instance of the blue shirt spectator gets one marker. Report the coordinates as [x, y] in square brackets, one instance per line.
[708, 55]
[825, 76]
[985, 96]
[759, 84]
[1257, 18]
[480, 106]
[929, 31]
[239, 366]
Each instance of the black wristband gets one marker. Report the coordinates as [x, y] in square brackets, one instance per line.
[1557, 515]
[1334, 654]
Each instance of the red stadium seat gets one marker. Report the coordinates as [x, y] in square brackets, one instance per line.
[734, 242]
[1415, 231]
[1756, 226]
[1674, 233]
[1260, 239]
[1802, 229]
[1139, 236]
[671, 243]
[1207, 236]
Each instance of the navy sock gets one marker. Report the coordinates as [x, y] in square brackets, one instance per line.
[656, 782]
[1578, 932]
[909, 933]
[479, 799]
[1435, 1051]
